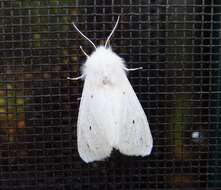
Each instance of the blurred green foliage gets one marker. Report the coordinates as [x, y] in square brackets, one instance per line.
[49, 22]
[179, 124]
[11, 111]
[33, 30]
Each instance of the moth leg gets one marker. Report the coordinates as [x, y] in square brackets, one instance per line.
[133, 69]
[84, 52]
[75, 78]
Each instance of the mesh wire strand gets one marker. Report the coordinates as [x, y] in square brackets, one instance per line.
[178, 45]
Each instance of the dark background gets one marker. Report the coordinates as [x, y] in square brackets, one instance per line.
[177, 42]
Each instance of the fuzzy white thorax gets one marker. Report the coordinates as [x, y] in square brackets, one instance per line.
[104, 65]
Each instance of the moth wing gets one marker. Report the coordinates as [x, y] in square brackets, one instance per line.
[134, 134]
[91, 137]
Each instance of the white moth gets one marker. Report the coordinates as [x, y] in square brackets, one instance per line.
[110, 114]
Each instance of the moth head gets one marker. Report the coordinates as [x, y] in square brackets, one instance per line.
[107, 41]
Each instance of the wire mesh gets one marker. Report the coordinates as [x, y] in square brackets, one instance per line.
[177, 42]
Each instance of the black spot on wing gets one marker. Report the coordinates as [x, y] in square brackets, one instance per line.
[90, 128]
[133, 121]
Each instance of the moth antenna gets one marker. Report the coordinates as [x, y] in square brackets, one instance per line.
[84, 52]
[108, 44]
[108, 39]
[83, 35]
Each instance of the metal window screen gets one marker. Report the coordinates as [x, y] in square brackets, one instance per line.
[177, 42]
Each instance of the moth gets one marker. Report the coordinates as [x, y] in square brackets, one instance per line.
[110, 114]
